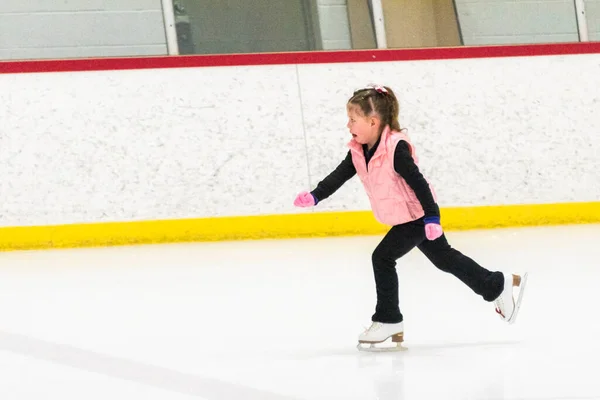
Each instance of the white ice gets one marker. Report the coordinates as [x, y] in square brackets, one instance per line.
[279, 320]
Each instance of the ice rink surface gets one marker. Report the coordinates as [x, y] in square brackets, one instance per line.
[279, 320]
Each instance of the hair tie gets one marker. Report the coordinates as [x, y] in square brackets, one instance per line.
[378, 88]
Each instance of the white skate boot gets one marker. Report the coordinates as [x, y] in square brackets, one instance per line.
[379, 332]
[505, 304]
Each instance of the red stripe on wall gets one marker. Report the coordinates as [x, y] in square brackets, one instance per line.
[311, 57]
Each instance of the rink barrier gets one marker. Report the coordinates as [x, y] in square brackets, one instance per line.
[298, 57]
[304, 225]
[309, 223]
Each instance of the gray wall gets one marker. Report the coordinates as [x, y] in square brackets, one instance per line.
[592, 8]
[517, 22]
[80, 28]
[334, 24]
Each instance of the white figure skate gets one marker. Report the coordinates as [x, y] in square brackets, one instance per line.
[505, 304]
[378, 333]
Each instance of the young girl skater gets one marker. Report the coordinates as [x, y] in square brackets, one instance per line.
[386, 163]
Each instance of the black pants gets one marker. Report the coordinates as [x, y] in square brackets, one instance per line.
[403, 238]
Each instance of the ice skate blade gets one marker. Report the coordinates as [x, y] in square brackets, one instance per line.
[396, 338]
[522, 285]
[372, 348]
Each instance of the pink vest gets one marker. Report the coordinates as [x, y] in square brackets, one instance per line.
[392, 200]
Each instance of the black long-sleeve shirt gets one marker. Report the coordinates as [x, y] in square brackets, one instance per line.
[404, 165]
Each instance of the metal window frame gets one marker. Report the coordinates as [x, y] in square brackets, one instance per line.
[170, 28]
[376, 8]
[456, 16]
[582, 26]
[310, 11]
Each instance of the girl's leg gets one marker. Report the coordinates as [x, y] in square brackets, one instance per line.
[485, 283]
[396, 243]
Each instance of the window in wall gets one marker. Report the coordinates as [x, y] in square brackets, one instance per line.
[408, 23]
[238, 26]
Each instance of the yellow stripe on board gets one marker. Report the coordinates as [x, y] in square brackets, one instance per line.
[308, 224]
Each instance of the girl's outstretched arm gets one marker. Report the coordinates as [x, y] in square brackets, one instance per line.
[332, 182]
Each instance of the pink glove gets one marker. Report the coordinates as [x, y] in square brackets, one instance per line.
[433, 229]
[304, 199]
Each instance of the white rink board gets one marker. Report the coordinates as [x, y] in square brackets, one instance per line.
[225, 141]
[149, 144]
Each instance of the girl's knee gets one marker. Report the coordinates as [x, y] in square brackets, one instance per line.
[381, 257]
[442, 265]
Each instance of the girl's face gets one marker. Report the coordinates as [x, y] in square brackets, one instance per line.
[364, 130]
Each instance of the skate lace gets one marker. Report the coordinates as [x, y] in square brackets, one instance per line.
[374, 326]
